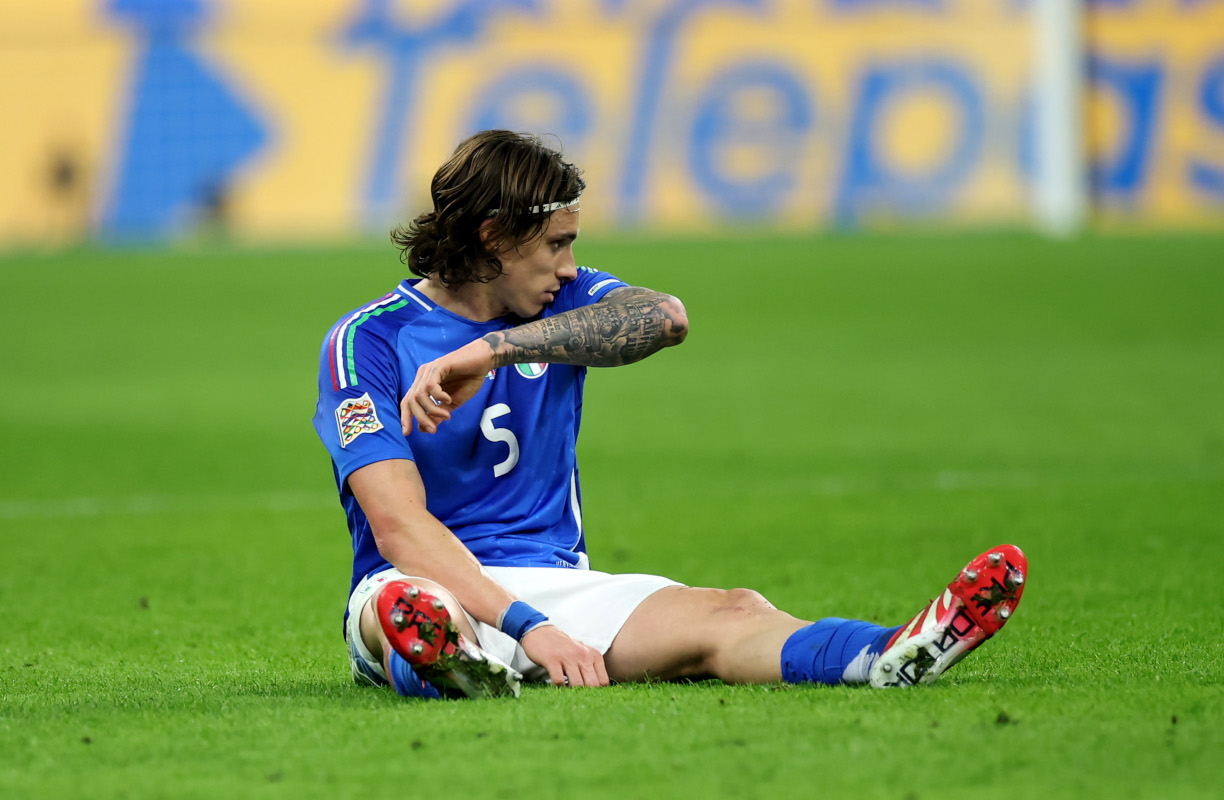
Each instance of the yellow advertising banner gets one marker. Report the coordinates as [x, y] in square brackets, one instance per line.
[1156, 110]
[277, 119]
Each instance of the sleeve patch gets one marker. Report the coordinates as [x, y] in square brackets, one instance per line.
[591, 292]
[356, 416]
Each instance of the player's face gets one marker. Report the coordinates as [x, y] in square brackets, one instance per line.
[534, 272]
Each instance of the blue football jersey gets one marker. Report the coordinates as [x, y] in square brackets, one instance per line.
[502, 473]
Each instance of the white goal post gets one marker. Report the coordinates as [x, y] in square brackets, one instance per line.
[1060, 190]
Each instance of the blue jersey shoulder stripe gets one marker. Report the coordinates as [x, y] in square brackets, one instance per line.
[342, 372]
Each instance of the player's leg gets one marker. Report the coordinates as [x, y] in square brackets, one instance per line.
[424, 642]
[646, 625]
[739, 637]
[683, 631]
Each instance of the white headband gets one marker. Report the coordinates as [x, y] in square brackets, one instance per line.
[547, 208]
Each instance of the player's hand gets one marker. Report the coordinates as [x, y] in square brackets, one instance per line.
[569, 662]
[443, 385]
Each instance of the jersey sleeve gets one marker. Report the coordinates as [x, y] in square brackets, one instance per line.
[589, 287]
[357, 416]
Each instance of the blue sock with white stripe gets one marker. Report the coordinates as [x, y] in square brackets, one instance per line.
[833, 651]
[406, 682]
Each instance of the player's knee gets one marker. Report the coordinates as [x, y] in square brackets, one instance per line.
[743, 601]
[735, 615]
[732, 612]
[452, 605]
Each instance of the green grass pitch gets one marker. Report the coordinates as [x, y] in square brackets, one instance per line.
[850, 420]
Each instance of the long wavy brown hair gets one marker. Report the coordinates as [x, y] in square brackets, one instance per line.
[503, 177]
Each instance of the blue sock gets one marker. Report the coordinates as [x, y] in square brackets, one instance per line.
[406, 682]
[829, 650]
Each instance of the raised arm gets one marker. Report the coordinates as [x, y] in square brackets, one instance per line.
[627, 325]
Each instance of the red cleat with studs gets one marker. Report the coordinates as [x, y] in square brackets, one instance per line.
[972, 609]
[419, 627]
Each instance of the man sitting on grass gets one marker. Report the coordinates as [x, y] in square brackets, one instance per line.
[469, 563]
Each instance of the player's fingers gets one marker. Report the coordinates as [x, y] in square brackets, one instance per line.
[421, 414]
[431, 398]
[574, 676]
[589, 676]
[411, 413]
[434, 405]
[601, 671]
[595, 670]
[424, 375]
[556, 674]
[410, 405]
[406, 414]
[439, 395]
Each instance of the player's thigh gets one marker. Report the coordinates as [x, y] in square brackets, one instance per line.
[680, 631]
[589, 605]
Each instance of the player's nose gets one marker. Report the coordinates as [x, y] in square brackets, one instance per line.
[568, 269]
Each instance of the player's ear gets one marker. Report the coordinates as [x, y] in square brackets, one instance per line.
[489, 239]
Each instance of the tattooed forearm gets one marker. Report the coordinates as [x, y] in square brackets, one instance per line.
[627, 326]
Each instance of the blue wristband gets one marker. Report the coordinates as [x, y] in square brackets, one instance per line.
[519, 619]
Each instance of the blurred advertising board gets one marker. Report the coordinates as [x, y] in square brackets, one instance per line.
[279, 119]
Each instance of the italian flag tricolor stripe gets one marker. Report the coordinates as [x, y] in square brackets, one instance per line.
[343, 368]
[349, 359]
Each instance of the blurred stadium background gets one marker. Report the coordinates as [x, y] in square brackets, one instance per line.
[866, 410]
[272, 120]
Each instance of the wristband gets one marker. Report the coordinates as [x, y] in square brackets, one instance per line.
[519, 619]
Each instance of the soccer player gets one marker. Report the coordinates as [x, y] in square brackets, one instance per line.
[451, 406]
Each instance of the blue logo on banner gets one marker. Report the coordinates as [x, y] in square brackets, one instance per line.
[187, 131]
[405, 51]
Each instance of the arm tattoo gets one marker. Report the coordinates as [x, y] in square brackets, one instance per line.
[628, 325]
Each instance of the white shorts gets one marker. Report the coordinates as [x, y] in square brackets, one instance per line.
[590, 606]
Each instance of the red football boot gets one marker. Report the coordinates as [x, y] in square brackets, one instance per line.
[971, 610]
[419, 628]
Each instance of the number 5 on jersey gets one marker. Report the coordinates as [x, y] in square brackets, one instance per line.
[495, 434]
